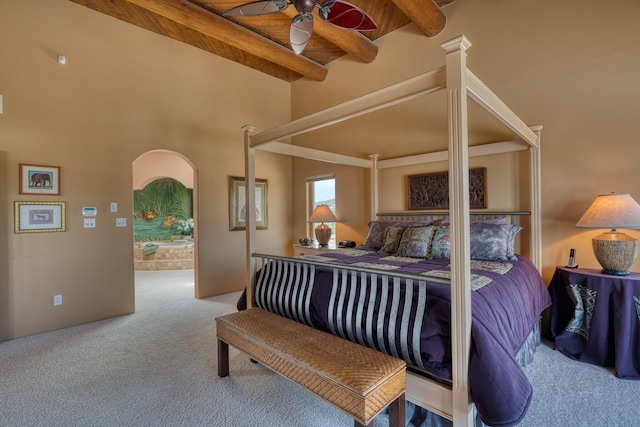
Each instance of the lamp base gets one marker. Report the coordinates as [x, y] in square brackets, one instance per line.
[615, 272]
[615, 252]
[323, 234]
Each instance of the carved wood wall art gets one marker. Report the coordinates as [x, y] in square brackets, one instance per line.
[431, 191]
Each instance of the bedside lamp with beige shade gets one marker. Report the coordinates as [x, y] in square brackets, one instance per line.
[322, 214]
[615, 251]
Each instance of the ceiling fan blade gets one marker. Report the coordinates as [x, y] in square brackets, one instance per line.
[346, 15]
[300, 32]
[257, 8]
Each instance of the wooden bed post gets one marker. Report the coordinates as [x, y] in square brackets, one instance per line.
[536, 201]
[456, 60]
[249, 213]
[374, 186]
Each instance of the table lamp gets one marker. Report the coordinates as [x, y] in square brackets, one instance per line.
[322, 214]
[615, 251]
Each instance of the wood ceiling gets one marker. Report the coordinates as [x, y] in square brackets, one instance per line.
[262, 42]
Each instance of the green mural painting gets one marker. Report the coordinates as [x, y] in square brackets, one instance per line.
[162, 209]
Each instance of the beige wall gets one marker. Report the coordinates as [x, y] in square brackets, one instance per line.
[570, 66]
[124, 91]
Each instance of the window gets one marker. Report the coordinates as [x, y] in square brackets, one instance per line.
[322, 191]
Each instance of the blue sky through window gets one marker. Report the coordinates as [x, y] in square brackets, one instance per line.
[324, 190]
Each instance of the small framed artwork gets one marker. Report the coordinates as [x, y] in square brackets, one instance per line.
[40, 217]
[431, 191]
[237, 206]
[39, 179]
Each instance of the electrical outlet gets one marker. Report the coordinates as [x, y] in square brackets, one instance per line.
[57, 300]
[121, 222]
[89, 223]
[113, 207]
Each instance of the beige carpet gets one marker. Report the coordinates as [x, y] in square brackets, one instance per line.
[157, 367]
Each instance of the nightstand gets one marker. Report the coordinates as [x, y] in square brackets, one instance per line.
[595, 318]
[312, 250]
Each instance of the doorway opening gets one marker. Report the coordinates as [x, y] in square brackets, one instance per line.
[165, 213]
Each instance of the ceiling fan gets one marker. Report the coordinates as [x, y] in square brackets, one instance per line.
[336, 12]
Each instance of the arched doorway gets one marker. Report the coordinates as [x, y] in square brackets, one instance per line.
[165, 166]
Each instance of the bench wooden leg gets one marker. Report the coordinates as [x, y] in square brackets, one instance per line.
[397, 412]
[223, 358]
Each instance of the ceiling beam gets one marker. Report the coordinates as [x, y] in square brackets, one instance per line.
[351, 42]
[208, 23]
[425, 14]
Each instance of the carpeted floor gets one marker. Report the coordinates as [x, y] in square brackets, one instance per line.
[157, 367]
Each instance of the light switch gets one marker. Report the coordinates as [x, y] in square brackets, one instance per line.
[113, 207]
[89, 223]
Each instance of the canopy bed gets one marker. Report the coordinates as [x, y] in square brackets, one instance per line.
[354, 286]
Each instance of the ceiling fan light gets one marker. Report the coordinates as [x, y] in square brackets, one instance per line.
[300, 34]
[350, 17]
[257, 8]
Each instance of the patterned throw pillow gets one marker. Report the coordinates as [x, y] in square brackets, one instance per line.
[441, 243]
[392, 237]
[492, 242]
[415, 242]
[375, 238]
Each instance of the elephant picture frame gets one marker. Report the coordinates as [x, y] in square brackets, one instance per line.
[39, 179]
[40, 217]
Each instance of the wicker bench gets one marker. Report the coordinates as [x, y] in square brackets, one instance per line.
[359, 381]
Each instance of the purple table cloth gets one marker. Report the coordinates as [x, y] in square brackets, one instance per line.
[595, 318]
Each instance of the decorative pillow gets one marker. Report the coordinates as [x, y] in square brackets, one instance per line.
[415, 242]
[502, 220]
[440, 243]
[392, 237]
[492, 242]
[376, 233]
[375, 237]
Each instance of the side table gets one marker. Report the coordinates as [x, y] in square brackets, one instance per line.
[299, 250]
[595, 318]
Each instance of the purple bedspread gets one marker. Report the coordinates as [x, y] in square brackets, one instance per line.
[411, 321]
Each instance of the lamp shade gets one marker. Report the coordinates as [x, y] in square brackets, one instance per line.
[615, 251]
[322, 213]
[611, 211]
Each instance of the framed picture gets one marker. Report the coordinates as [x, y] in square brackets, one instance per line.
[40, 217]
[237, 204]
[431, 191]
[39, 179]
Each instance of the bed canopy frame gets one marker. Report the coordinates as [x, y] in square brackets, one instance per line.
[459, 83]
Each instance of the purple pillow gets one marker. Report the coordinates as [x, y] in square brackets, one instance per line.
[392, 237]
[492, 242]
[441, 243]
[415, 242]
[376, 234]
[375, 237]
